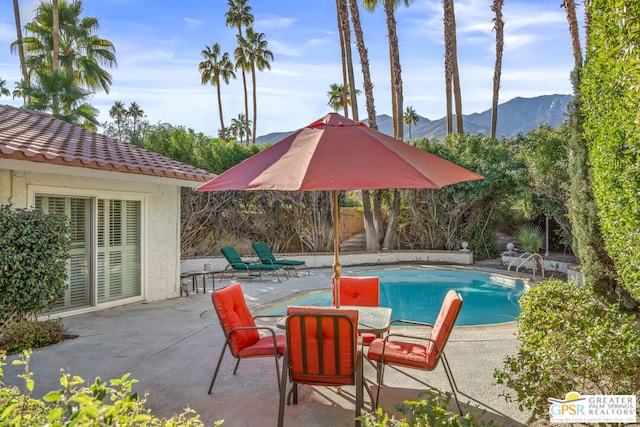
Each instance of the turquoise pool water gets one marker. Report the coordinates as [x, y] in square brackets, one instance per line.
[417, 293]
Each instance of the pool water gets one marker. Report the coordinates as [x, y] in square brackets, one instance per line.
[417, 294]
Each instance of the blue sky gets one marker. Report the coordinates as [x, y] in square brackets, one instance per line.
[159, 43]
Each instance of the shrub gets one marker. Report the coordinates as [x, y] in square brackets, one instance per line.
[530, 238]
[100, 404]
[19, 336]
[35, 248]
[430, 411]
[570, 341]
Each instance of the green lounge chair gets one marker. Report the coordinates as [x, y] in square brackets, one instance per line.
[252, 270]
[266, 257]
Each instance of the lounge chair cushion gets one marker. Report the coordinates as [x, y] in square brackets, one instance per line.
[402, 353]
[233, 312]
[264, 346]
[266, 256]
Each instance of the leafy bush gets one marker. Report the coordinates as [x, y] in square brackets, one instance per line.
[25, 335]
[101, 404]
[35, 248]
[430, 411]
[570, 341]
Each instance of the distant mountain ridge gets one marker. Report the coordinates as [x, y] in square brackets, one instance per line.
[517, 116]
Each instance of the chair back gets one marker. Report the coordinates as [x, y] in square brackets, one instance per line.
[322, 345]
[359, 291]
[231, 255]
[264, 252]
[233, 312]
[444, 324]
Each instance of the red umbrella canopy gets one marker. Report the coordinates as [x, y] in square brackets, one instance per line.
[335, 153]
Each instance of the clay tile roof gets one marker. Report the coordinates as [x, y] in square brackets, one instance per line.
[38, 137]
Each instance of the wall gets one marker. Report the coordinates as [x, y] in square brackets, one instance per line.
[160, 215]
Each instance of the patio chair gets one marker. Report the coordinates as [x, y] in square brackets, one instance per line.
[359, 291]
[236, 264]
[241, 333]
[266, 257]
[422, 352]
[322, 350]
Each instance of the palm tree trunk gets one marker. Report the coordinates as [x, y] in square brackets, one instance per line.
[364, 62]
[346, 33]
[396, 72]
[23, 64]
[222, 129]
[570, 6]
[499, 27]
[56, 35]
[448, 68]
[255, 109]
[343, 56]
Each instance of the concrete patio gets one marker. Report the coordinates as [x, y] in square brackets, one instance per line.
[172, 347]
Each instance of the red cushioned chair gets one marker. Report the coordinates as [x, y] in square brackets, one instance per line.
[242, 336]
[362, 291]
[322, 350]
[423, 352]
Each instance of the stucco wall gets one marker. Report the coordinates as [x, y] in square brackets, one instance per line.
[160, 215]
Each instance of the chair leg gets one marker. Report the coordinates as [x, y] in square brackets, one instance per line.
[215, 374]
[236, 368]
[359, 387]
[283, 390]
[277, 370]
[380, 378]
[452, 382]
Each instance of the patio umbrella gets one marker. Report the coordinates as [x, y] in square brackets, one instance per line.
[336, 153]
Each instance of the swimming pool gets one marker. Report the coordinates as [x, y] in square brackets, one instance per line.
[417, 293]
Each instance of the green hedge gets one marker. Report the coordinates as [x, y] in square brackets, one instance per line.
[611, 105]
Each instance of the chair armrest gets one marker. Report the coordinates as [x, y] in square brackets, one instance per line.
[415, 337]
[411, 322]
[267, 316]
[257, 328]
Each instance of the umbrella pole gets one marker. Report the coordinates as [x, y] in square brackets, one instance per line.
[336, 249]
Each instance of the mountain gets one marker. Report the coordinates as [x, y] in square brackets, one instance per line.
[517, 116]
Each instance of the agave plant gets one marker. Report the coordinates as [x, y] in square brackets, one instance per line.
[530, 238]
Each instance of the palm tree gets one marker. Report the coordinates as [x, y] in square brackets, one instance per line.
[372, 218]
[57, 92]
[118, 112]
[4, 91]
[411, 118]
[136, 113]
[338, 97]
[259, 56]
[20, 47]
[82, 53]
[499, 26]
[241, 125]
[239, 15]
[213, 69]
[452, 75]
[396, 103]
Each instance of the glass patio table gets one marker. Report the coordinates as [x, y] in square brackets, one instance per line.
[375, 320]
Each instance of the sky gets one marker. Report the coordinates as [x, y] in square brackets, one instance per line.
[158, 48]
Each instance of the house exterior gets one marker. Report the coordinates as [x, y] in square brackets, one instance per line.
[123, 201]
